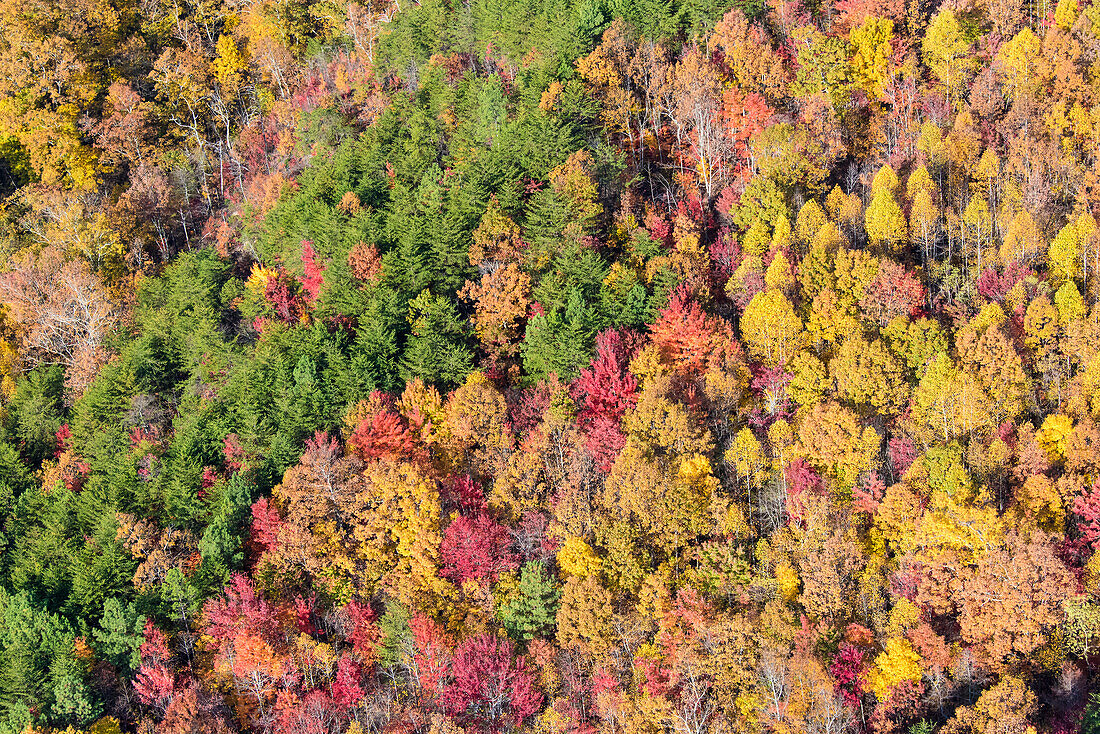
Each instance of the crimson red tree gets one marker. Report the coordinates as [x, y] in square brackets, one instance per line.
[476, 548]
[314, 272]
[491, 690]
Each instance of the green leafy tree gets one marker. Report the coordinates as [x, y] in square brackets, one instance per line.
[119, 636]
[560, 342]
[437, 350]
[396, 634]
[1091, 723]
[532, 609]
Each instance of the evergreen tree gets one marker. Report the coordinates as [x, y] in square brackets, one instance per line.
[119, 635]
[531, 611]
[35, 412]
[560, 342]
[436, 351]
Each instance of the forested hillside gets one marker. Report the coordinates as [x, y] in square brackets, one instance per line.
[555, 366]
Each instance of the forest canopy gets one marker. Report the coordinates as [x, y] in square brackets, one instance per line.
[574, 366]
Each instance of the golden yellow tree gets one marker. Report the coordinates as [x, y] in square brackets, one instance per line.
[771, 329]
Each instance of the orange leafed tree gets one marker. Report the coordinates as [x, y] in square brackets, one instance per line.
[689, 339]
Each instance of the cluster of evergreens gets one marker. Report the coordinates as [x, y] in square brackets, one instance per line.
[567, 366]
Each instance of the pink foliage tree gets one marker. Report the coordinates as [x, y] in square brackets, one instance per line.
[155, 683]
[240, 610]
[467, 493]
[234, 454]
[264, 531]
[1086, 506]
[604, 440]
[770, 385]
[604, 392]
[995, 286]
[801, 480]
[847, 669]
[902, 452]
[476, 549]
[316, 712]
[491, 690]
[363, 632]
[346, 688]
[281, 292]
[868, 493]
[606, 387]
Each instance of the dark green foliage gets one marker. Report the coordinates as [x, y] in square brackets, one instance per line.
[220, 545]
[37, 667]
[13, 482]
[156, 364]
[436, 351]
[15, 169]
[35, 413]
[415, 35]
[531, 610]
[627, 306]
[14, 476]
[105, 402]
[100, 570]
[73, 702]
[311, 213]
[560, 341]
[546, 218]
[371, 361]
[45, 538]
[178, 599]
[118, 637]
[323, 127]
[574, 270]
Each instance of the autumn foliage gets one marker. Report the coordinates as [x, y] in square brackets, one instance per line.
[563, 368]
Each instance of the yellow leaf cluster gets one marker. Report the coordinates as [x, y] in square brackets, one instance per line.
[897, 663]
[788, 581]
[576, 558]
[1053, 434]
[259, 278]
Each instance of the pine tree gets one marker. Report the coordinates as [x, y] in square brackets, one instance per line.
[560, 342]
[437, 351]
[532, 609]
[119, 636]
